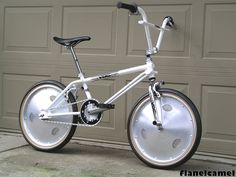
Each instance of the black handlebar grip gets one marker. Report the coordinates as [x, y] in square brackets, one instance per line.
[131, 7]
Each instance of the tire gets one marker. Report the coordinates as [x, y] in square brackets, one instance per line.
[42, 135]
[179, 138]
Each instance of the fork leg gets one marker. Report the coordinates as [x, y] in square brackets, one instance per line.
[156, 105]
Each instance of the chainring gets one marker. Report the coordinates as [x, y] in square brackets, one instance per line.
[86, 117]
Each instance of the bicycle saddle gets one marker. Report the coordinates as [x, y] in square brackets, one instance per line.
[71, 41]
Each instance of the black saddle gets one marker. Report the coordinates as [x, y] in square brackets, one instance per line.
[71, 41]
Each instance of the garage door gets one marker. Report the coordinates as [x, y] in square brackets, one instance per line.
[199, 59]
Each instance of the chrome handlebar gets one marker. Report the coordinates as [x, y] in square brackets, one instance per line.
[168, 21]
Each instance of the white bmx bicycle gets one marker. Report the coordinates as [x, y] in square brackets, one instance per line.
[164, 126]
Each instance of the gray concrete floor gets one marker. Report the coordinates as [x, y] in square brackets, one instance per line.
[17, 159]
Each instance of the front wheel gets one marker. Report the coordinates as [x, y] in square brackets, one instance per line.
[176, 142]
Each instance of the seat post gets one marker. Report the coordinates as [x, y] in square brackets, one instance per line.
[75, 59]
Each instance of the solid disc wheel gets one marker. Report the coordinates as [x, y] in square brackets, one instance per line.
[43, 135]
[179, 138]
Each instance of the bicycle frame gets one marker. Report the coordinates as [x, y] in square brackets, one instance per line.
[147, 71]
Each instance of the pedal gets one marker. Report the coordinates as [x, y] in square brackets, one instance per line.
[106, 106]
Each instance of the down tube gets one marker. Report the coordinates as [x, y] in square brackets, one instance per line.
[134, 82]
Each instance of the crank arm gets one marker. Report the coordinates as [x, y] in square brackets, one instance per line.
[101, 107]
[96, 110]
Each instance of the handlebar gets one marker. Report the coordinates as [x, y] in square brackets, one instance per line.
[168, 21]
[131, 7]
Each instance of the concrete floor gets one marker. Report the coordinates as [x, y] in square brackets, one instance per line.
[17, 159]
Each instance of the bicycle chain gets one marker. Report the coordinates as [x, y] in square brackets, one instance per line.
[67, 123]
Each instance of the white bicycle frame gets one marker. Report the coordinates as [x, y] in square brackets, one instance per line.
[147, 71]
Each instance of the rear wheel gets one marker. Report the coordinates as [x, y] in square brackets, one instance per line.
[43, 135]
[179, 138]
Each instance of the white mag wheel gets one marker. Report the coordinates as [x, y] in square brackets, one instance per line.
[179, 138]
[43, 135]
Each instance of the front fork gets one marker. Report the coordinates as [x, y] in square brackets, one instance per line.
[155, 99]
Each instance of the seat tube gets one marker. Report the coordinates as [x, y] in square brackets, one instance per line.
[80, 73]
